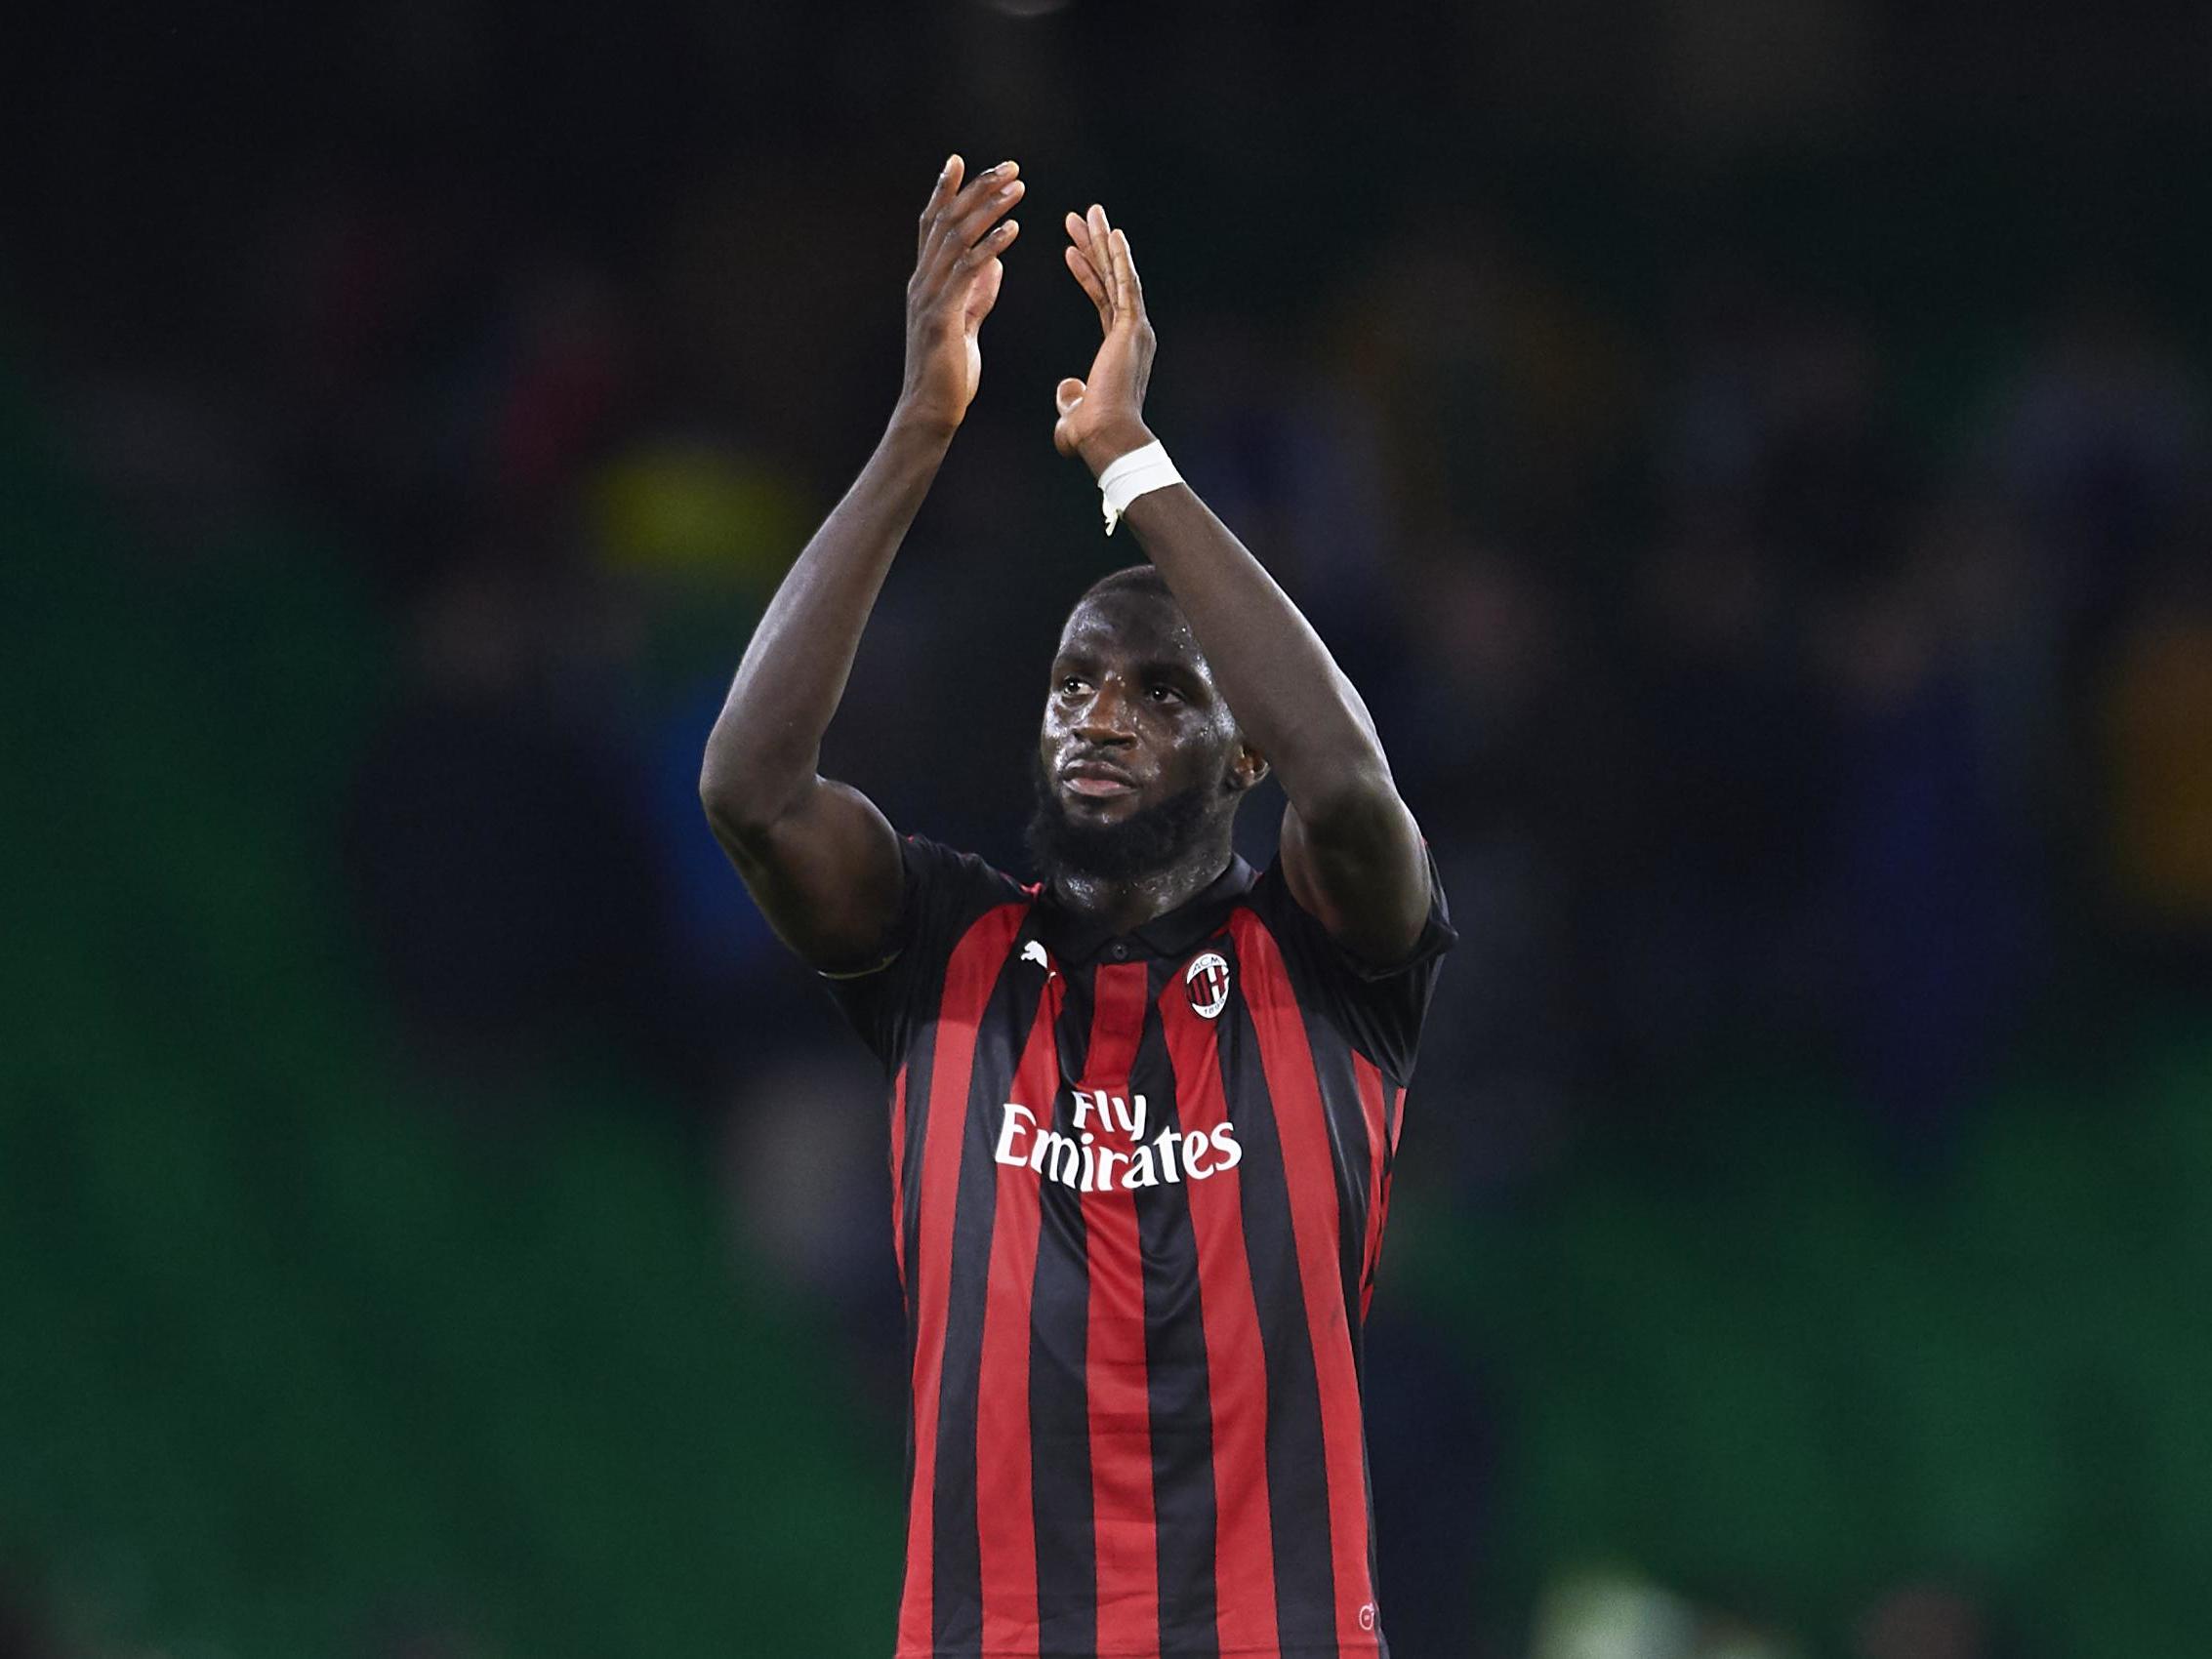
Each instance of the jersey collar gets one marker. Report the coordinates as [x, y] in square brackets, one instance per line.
[1074, 938]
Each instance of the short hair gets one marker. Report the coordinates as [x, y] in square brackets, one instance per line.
[1130, 579]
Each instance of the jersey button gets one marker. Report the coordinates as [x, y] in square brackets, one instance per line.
[1120, 952]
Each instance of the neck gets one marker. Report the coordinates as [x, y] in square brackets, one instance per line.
[1121, 905]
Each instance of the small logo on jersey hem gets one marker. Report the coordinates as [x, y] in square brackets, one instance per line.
[1207, 983]
[1366, 1615]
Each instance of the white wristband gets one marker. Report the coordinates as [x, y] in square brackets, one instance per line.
[1134, 474]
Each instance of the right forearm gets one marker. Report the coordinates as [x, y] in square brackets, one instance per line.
[760, 760]
[768, 738]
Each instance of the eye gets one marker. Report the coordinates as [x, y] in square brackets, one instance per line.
[1070, 684]
[1165, 694]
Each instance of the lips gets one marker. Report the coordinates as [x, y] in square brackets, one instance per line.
[1096, 778]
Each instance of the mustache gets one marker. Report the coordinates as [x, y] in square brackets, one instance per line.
[1149, 840]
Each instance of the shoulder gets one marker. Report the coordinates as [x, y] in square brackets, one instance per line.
[941, 891]
[951, 904]
[1380, 1008]
[1271, 899]
[945, 875]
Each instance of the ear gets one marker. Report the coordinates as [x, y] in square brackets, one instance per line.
[1247, 767]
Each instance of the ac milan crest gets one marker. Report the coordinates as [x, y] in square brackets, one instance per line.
[1206, 980]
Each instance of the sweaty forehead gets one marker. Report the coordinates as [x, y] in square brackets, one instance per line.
[1143, 627]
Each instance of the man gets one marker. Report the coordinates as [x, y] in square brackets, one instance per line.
[1143, 1111]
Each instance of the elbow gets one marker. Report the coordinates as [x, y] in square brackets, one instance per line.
[723, 804]
[1355, 802]
[737, 801]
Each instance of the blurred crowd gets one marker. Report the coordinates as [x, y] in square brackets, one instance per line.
[1766, 669]
[1762, 657]
[1753, 676]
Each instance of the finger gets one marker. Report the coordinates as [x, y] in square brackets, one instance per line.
[1092, 272]
[957, 204]
[1079, 232]
[945, 187]
[1128, 293]
[981, 273]
[986, 198]
[969, 227]
[1101, 230]
[1067, 398]
[1088, 278]
[995, 241]
[983, 294]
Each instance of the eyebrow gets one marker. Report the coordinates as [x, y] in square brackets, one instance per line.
[1151, 668]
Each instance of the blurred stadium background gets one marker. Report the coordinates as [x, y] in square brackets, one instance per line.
[1754, 453]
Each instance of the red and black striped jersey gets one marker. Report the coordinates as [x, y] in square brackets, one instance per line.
[1138, 1190]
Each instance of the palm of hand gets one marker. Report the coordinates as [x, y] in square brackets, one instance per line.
[1086, 402]
[1109, 404]
[956, 281]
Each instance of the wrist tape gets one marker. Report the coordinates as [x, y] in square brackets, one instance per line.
[1131, 475]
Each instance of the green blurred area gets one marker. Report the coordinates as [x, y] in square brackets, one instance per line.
[292, 1349]
[1750, 1362]
[291, 1344]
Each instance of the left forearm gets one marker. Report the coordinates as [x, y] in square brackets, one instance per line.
[1278, 679]
[1286, 690]
[1351, 854]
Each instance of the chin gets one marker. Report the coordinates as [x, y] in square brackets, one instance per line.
[1093, 809]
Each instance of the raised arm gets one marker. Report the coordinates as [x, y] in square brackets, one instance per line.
[820, 859]
[1351, 852]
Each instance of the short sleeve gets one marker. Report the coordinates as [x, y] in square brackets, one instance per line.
[942, 892]
[1380, 1010]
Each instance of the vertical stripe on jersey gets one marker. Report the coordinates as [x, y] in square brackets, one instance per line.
[1353, 1163]
[1011, 1008]
[1059, 1419]
[1120, 1397]
[1298, 1482]
[1346, 1075]
[920, 1067]
[898, 1174]
[1301, 1122]
[1007, 1534]
[1244, 1559]
[1178, 1368]
[971, 972]
[1374, 1111]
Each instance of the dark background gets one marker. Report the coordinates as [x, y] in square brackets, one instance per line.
[1753, 455]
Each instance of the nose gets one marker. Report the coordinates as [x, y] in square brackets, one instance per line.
[1106, 717]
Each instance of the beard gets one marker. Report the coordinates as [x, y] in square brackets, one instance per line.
[1151, 838]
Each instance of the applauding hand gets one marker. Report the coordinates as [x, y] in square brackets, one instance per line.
[956, 281]
[1102, 416]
